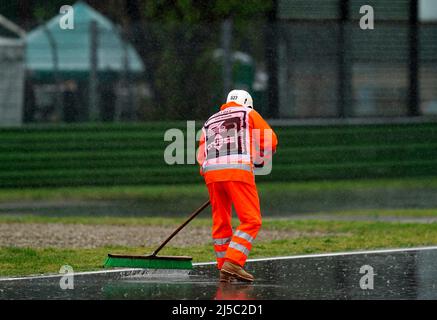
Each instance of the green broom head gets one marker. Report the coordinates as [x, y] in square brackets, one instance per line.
[148, 262]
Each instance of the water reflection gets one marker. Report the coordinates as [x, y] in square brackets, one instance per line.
[396, 275]
[230, 291]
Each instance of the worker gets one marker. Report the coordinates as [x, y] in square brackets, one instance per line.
[234, 142]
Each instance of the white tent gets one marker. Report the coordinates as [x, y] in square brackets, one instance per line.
[11, 75]
[73, 45]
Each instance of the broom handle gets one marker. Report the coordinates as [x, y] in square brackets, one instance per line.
[193, 215]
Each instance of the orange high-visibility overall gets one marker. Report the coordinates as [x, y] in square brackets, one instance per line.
[231, 141]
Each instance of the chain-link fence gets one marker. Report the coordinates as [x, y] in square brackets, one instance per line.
[314, 61]
[331, 67]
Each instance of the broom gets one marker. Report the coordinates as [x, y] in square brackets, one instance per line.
[154, 261]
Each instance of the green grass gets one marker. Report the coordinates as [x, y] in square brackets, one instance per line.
[334, 236]
[270, 223]
[90, 220]
[132, 154]
[103, 193]
[169, 192]
[393, 213]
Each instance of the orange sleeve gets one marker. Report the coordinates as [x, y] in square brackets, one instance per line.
[201, 151]
[257, 122]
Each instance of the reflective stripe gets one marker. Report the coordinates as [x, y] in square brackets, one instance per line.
[221, 241]
[241, 166]
[239, 247]
[229, 159]
[244, 235]
[220, 254]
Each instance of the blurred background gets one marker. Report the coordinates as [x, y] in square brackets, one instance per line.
[147, 60]
[354, 109]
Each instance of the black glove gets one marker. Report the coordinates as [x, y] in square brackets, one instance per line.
[259, 165]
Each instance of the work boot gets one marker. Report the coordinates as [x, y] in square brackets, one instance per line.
[224, 277]
[231, 270]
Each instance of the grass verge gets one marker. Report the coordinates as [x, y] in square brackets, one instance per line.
[340, 236]
[170, 192]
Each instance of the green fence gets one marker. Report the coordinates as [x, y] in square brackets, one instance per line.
[130, 154]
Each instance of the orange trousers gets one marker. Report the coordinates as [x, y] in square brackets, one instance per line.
[229, 245]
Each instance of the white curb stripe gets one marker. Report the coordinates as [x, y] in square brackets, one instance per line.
[347, 253]
[249, 260]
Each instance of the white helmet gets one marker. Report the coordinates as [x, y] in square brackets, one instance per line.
[241, 97]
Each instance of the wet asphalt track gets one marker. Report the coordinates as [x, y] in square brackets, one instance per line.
[397, 274]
